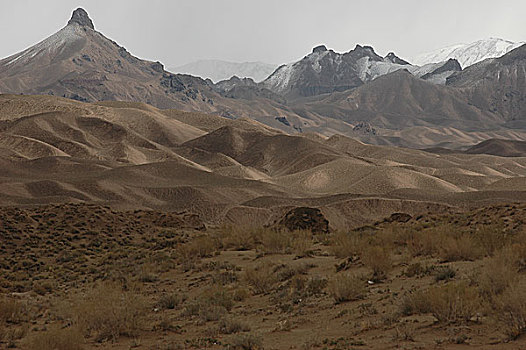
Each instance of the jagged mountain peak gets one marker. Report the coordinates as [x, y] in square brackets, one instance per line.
[81, 17]
[391, 57]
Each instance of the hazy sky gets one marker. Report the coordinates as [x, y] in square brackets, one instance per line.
[275, 31]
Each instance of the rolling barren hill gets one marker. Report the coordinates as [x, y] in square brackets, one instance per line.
[131, 155]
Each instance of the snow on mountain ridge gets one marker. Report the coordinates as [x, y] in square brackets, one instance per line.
[469, 54]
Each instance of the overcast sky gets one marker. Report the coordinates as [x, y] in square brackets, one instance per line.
[176, 32]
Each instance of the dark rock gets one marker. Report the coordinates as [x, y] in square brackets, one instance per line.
[283, 120]
[399, 217]
[365, 128]
[320, 48]
[305, 218]
[80, 16]
[158, 67]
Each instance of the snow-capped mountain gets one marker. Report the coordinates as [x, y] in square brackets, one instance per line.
[217, 70]
[468, 54]
[325, 71]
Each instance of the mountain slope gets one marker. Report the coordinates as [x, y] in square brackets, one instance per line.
[217, 70]
[497, 85]
[469, 54]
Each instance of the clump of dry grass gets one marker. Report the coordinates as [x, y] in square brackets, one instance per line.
[347, 287]
[171, 301]
[107, 312]
[237, 237]
[345, 245]
[460, 248]
[498, 273]
[261, 278]
[378, 259]
[56, 339]
[199, 247]
[454, 302]
[275, 241]
[212, 305]
[12, 311]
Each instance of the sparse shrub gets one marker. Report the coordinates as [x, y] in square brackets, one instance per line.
[497, 274]
[275, 241]
[491, 238]
[444, 273]
[246, 341]
[415, 269]
[230, 325]
[460, 248]
[511, 310]
[344, 245]
[56, 339]
[211, 305]
[415, 303]
[425, 243]
[171, 301]
[237, 237]
[347, 287]
[42, 288]
[261, 278]
[12, 311]
[379, 261]
[108, 312]
[301, 243]
[199, 247]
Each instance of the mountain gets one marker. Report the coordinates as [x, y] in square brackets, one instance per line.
[217, 70]
[80, 63]
[325, 71]
[497, 86]
[468, 54]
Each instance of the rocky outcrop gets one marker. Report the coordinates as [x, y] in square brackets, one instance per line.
[80, 16]
[305, 218]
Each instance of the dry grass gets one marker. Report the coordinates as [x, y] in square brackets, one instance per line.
[345, 245]
[347, 287]
[498, 273]
[511, 310]
[107, 312]
[246, 341]
[229, 325]
[212, 305]
[56, 339]
[12, 311]
[378, 259]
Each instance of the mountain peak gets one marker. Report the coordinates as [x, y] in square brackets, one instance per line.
[80, 16]
[319, 48]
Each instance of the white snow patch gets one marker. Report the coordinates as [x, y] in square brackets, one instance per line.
[469, 54]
